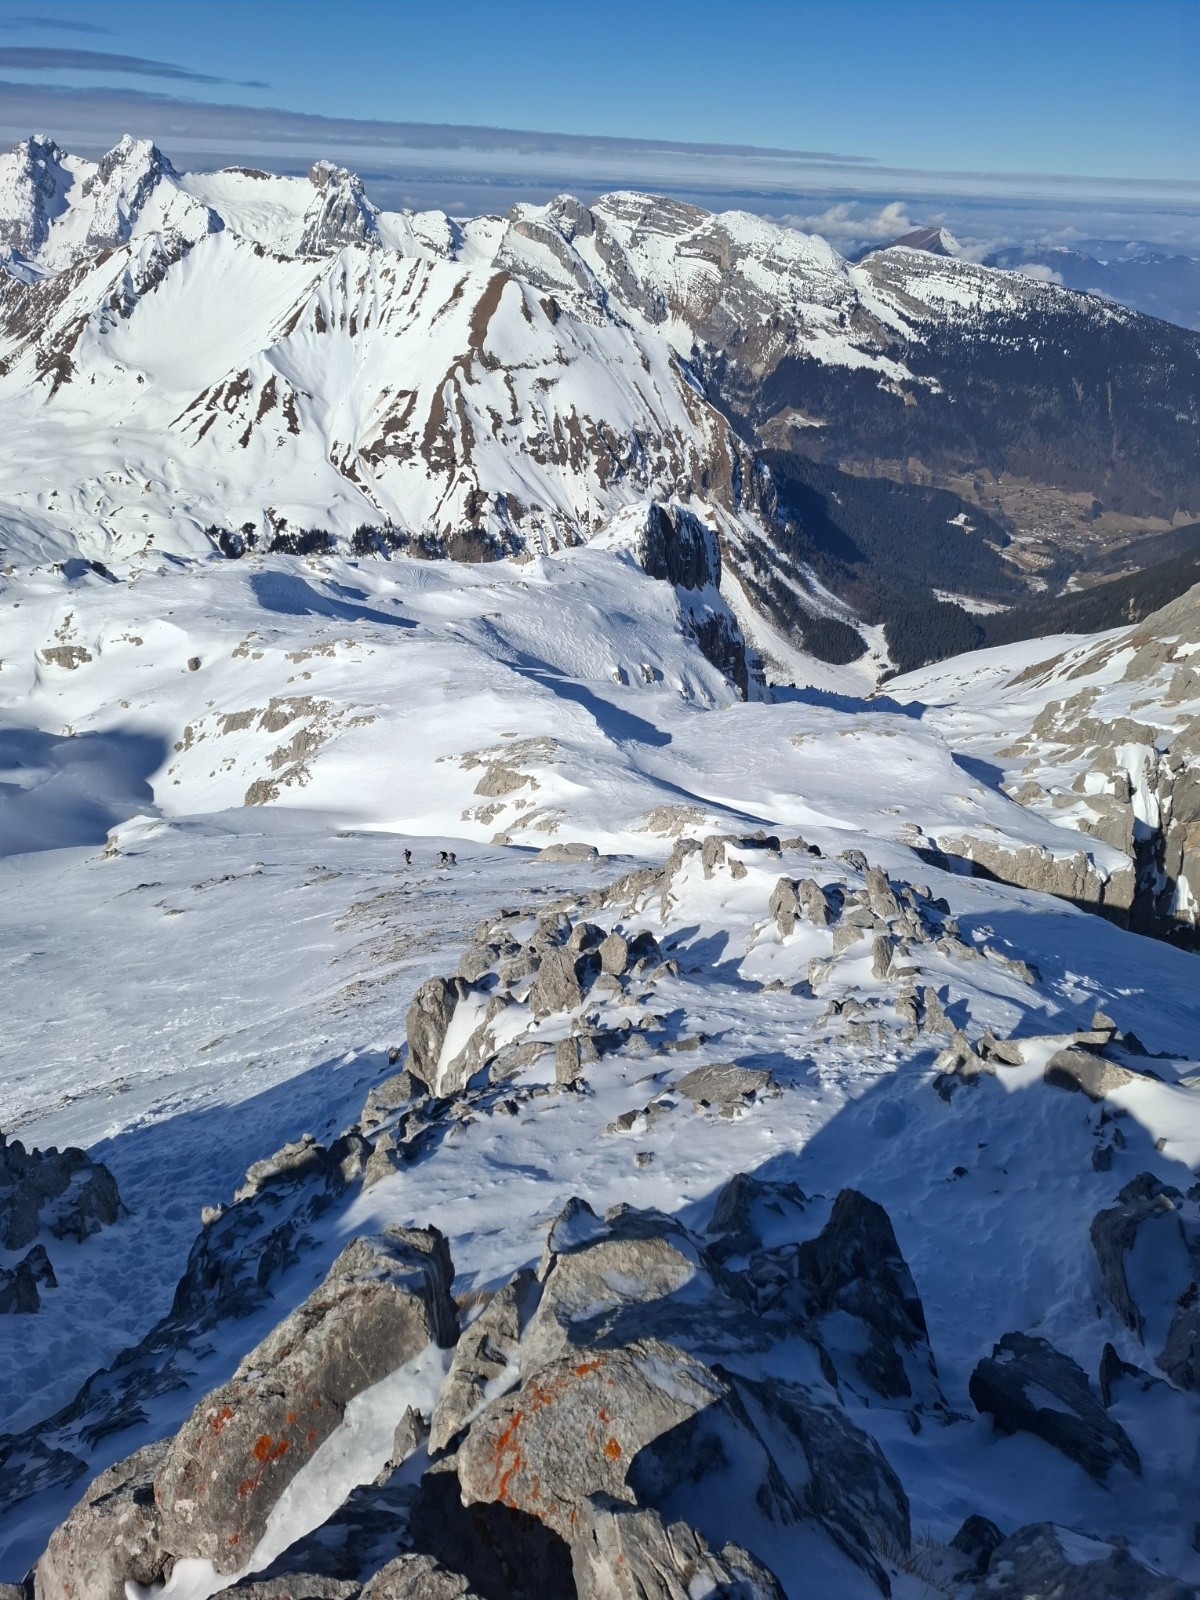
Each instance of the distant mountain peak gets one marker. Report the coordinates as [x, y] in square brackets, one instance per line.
[342, 215]
[934, 241]
[33, 185]
[133, 156]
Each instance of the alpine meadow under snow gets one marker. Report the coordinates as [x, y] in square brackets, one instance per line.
[523, 1076]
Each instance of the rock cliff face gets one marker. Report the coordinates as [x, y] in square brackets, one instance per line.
[672, 544]
[1119, 758]
[1098, 737]
[340, 215]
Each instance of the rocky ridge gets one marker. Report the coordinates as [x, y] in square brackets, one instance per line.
[660, 1402]
[1104, 738]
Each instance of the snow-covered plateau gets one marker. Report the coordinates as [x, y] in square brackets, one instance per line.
[498, 1101]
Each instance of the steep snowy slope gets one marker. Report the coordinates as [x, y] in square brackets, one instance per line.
[1102, 736]
[306, 363]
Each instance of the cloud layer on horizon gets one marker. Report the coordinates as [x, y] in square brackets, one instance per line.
[852, 200]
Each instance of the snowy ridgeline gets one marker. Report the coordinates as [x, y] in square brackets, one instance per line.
[939, 1339]
[285, 358]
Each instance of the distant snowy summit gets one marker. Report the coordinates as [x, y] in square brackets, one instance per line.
[936, 241]
[187, 358]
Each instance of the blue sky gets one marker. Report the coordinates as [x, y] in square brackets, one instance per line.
[1054, 119]
[1095, 87]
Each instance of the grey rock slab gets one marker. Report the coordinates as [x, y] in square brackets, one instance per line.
[1045, 1562]
[880, 894]
[112, 1536]
[560, 982]
[417, 1577]
[1013, 1384]
[387, 1097]
[854, 1268]
[570, 850]
[814, 902]
[426, 1024]
[784, 906]
[576, 1425]
[614, 954]
[838, 1472]
[485, 1355]
[618, 1282]
[724, 1086]
[384, 1300]
[621, 1554]
[1077, 1068]
[295, 1586]
[299, 1161]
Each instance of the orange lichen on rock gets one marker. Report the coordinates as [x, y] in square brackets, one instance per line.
[267, 1449]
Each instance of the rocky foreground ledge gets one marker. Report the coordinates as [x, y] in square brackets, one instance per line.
[572, 1431]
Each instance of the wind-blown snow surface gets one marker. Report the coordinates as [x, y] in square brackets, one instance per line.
[210, 938]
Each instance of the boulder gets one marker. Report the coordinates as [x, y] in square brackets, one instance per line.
[1078, 1068]
[572, 850]
[1118, 1379]
[784, 906]
[484, 1357]
[426, 1025]
[976, 1539]
[575, 1427]
[606, 1282]
[880, 895]
[724, 1086]
[814, 902]
[1143, 1201]
[1028, 1386]
[561, 980]
[383, 1302]
[298, 1161]
[112, 1536]
[1045, 1562]
[614, 954]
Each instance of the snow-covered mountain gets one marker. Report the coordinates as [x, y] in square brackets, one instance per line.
[497, 1102]
[180, 352]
